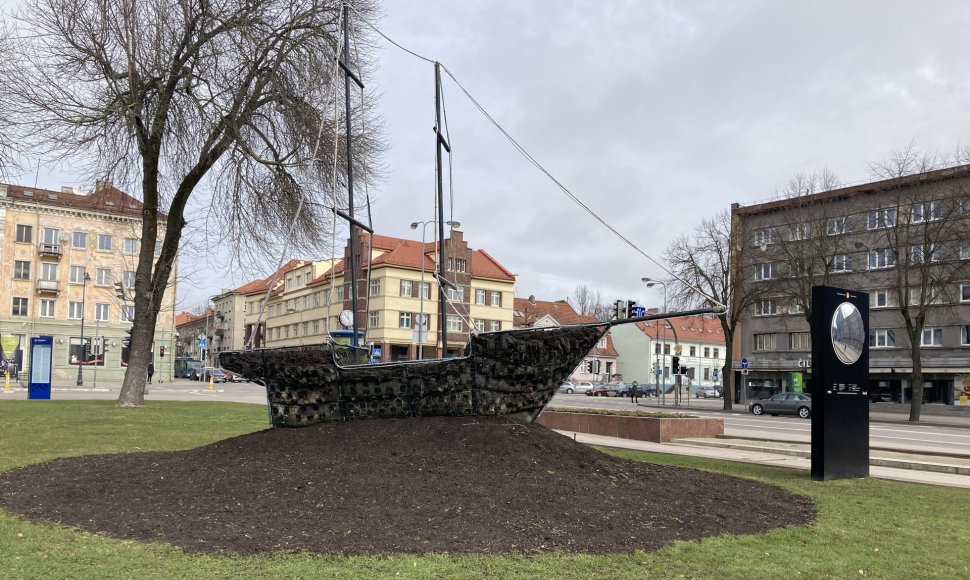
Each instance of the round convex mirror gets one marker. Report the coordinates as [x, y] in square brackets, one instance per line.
[848, 333]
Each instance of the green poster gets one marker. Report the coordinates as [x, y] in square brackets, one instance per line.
[796, 382]
[9, 344]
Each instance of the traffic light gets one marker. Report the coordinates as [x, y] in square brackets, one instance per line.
[675, 365]
[630, 306]
[126, 341]
[161, 351]
[618, 310]
[120, 290]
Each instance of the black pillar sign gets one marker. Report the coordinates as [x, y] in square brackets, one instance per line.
[840, 383]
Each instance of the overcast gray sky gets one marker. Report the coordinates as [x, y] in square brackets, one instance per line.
[655, 113]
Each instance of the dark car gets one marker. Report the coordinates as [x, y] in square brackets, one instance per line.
[784, 404]
[599, 391]
[623, 390]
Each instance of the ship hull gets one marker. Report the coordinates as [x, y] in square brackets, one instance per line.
[513, 372]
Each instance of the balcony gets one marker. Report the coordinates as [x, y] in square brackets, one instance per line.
[49, 251]
[48, 286]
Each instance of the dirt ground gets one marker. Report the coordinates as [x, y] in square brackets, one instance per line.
[443, 484]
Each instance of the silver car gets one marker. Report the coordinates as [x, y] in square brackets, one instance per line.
[706, 392]
[784, 404]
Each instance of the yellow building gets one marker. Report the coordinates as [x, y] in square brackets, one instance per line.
[396, 287]
[63, 252]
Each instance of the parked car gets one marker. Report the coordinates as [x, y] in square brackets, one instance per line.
[582, 386]
[600, 391]
[623, 390]
[216, 374]
[567, 387]
[707, 392]
[880, 398]
[232, 377]
[784, 404]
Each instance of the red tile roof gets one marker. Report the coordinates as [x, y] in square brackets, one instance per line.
[689, 329]
[528, 312]
[185, 318]
[104, 199]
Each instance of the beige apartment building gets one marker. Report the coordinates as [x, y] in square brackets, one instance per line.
[63, 252]
[396, 286]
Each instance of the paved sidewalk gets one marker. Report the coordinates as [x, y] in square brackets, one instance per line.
[775, 455]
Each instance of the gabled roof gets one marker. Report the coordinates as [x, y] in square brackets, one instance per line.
[527, 312]
[185, 318]
[104, 199]
[689, 329]
[262, 284]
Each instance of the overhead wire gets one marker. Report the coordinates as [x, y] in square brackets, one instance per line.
[565, 190]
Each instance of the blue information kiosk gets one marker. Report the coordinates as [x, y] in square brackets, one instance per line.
[41, 358]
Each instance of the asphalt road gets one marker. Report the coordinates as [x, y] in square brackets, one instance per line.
[889, 431]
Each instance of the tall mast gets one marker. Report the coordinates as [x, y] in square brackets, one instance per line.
[440, 143]
[344, 64]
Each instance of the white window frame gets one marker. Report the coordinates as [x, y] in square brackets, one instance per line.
[801, 232]
[407, 288]
[103, 277]
[800, 341]
[765, 236]
[839, 225]
[375, 287]
[424, 290]
[19, 271]
[965, 335]
[48, 271]
[882, 338]
[102, 312]
[25, 233]
[926, 211]
[127, 313]
[880, 219]
[404, 320]
[455, 323]
[496, 325]
[83, 237]
[882, 258]
[480, 296]
[496, 298]
[766, 271]
[479, 325]
[130, 246]
[766, 307]
[77, 274]
[455, 294]
[47, 308]
[841, 263]
[373, 319]
[75, 310]
[128, 279]
[104, 242]
[931, 336]
[19, 306]
[965, 292]
[765, 342]
[935, 254]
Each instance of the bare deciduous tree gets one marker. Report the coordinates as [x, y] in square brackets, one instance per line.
[919, 235]
[7, 140]
[173, 96]
[590, 303]
[715, 259]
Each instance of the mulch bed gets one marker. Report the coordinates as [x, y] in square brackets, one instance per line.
[443, 484]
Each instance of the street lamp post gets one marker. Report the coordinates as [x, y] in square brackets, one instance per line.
[650, 284]
[422, 320]
[80, 362]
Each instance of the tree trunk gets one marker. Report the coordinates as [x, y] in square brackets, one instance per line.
[728, 372]
[916, 403]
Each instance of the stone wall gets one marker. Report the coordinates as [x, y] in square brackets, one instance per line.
[655, 429]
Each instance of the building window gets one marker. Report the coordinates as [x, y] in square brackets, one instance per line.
[707, 374]
[316, 299]
[927, 211]
[801, 232]
[127, 314]
[796, 307]
[765, 308]
[158, 248]
[104, 242]
[404, 320]
[882, 339]
[707, 352]
[128, 279]
[917, 298]
[101, 312]
[765, 237]
[456, 265]
[692, 351]
[480, 296]
[965, 252]
[131, 246]
[799, 341]
[373, 319]
[456, 294]
[25, 233]
[48, 272]
[77, 274]
[882, 258]
[306, 302]
[455, 324]
[766, 271]
[496, 298]
[21, 270]
[965, 335]
[316, 327]
[881, 218]
[19, 307]
[494, 325]
[841, 263]
[932, 337]
[964, 292]
[375, 287]
[79, 240]
[51, 236]
[666, 348]
[407, 288]
[764, 342]
[306, 327]
[425, 289]
[286, 331]
[299, 280]
[656, 348]
[103, 277]
[715, 352]
[479, 325]
[74, 310]
[882, 298]
[47, 308]
[340, 294]
[839, 225]
[918, 253]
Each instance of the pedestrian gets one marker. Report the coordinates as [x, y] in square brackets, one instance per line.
[633, 392]
[151, 371]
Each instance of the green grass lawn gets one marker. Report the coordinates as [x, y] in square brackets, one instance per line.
[865, 529]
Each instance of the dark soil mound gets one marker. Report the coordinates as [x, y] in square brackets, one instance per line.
[444, 484]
